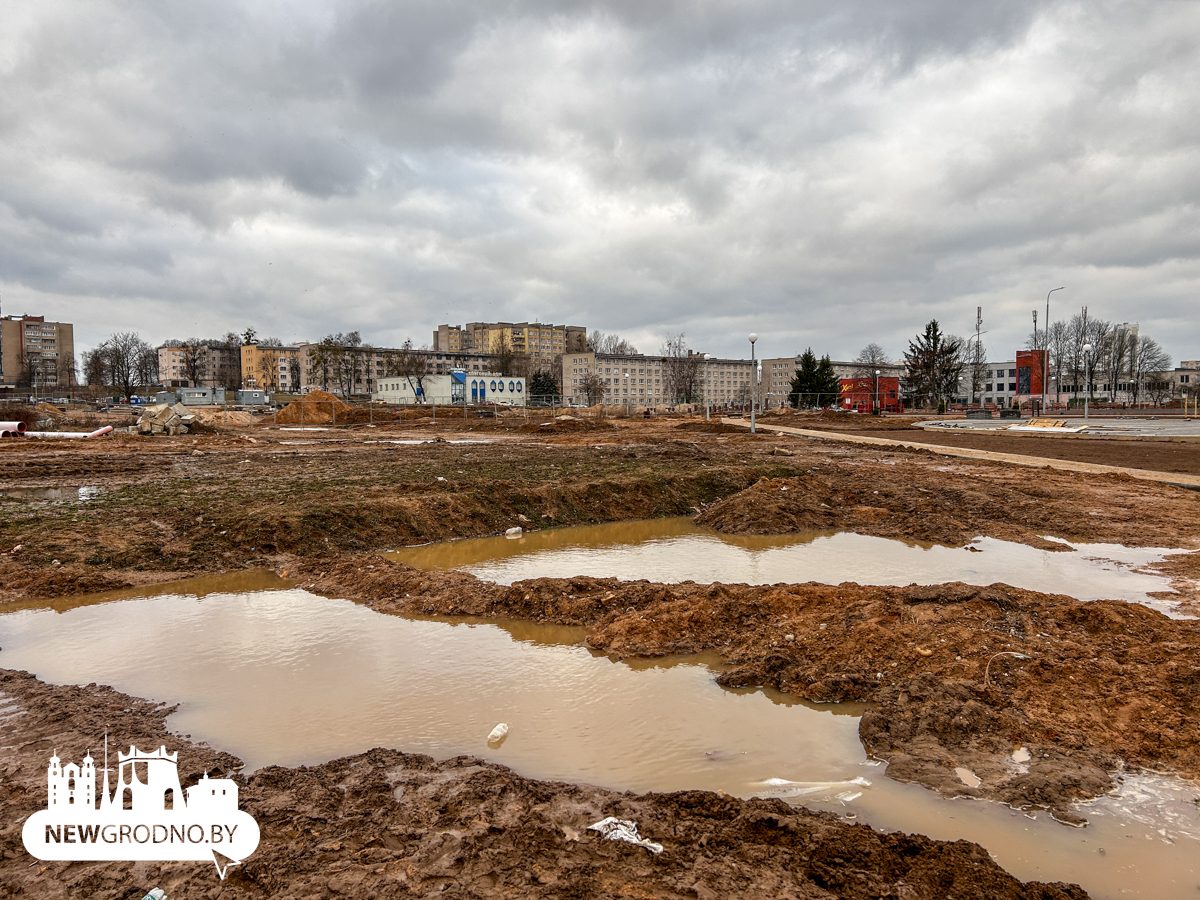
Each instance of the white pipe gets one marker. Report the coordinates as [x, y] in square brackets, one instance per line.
[11, 428]
[69, 434]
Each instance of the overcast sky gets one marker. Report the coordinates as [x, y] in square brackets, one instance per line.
[823, 173]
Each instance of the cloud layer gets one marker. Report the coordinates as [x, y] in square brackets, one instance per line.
[826, 174]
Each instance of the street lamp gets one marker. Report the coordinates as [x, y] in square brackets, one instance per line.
[753, 340]
[707, 395]
[878, 411]
[627, 394]
[1087, 377]
[1046, 350]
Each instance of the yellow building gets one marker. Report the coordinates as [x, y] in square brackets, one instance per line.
[271, 368]
[543, 344]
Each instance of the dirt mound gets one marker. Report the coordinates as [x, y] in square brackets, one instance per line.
[925, 655]
[18, 412]
[386, 823]
[53, 413]
[221, 417]
[709, 428]
[315, 408]
[567, 425]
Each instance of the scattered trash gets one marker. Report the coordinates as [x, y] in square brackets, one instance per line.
[156, 894]
[514, 532]
[924, 652]
[615, 829]
[497, 735]
[789, 637]
[779, 451]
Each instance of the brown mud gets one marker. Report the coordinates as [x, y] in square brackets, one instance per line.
[172, 508]
[391, 824]
[1102, 686]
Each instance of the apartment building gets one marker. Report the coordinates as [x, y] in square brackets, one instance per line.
[203, 365]
[272, 368]
[35, 353]
[543, 344]
[333, 369]
[641, 380]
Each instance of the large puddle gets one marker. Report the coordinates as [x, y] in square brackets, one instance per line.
[673, 550]
[283, 676]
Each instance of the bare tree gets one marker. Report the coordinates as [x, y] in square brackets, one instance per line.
[1118, 355]
[229, 361]
[409, 365]
[870, 358]
[593, 388]
[610, 344]
[127, 362]
[1149, 364]
[681, 370]
[95, 368]
[507, 361]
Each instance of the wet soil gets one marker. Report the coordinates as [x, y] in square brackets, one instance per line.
[1105, 684]
[1157, 456]
[390, 824]
[172, 508]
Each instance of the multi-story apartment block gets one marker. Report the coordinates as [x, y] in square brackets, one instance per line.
[334, 369]
[272, 368]
[35, 353]
[543, 344]
[641, 380]
[203, 365]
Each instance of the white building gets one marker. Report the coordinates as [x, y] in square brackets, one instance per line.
[455, 387]
[640, 380]
[999, 384]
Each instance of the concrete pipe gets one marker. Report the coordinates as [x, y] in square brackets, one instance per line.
[11, 429]
[69, 434]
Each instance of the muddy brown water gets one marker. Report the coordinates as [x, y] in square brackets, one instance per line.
[674, 550]
[287, 677]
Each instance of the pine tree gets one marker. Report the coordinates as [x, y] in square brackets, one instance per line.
[934, 362]
[815, 383]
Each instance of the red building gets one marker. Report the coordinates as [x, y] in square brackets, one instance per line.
[1030, 369]
[859, 394]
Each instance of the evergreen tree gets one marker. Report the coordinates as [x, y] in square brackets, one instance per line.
[934, 361]
[815, 383]
[543, 385]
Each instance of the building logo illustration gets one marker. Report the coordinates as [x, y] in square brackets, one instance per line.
[145, 818]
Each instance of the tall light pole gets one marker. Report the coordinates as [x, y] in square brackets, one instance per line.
[1046, 350]
[753, 339]
[1087, 377]
[627, 394]
[707, 395]
[878, 411]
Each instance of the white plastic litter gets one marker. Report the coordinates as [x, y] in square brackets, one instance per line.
[156, 894]
[515, 531]
[497, 735]
[615, 829]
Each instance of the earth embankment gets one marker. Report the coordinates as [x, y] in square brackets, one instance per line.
[386, 823]
[960, 676]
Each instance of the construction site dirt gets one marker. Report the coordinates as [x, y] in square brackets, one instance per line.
[1090, 688]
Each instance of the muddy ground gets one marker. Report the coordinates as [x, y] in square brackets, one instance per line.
[1108, 684]
[391, 824]
[209, 503]
[1105, 686]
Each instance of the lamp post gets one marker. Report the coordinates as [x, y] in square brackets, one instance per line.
[753, 340]
[1087, 377]
[626, 394]
[878, 411]
[707, 394]
[1046, 350]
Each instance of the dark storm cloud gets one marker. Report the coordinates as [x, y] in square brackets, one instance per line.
[823, 173]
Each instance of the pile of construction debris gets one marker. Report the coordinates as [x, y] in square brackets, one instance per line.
[165, 419]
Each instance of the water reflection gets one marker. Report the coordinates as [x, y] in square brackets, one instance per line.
[291, 678]
[674, 550]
